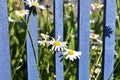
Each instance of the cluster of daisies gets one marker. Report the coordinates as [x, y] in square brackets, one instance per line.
[29, 3]
[94, 71]
[95, 41]
[58, 45]
[95, 7]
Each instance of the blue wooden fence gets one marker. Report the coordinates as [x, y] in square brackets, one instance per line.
[58, 19]
[83, 46]
[5, 72]
[83, 35]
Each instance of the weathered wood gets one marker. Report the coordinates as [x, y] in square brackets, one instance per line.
[83, 38]
[109, 38]
[58, 23]
[5, 66]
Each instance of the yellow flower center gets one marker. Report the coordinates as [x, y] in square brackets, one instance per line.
[92, 71]
[94, 37]
[21, 12]
[44, 42]
[71, 52]
[57, 43]
[34, 4]
[97, 5]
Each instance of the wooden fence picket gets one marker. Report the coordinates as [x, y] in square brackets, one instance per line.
[109, 38]
[5, 66]
[83, 41]
[31, 56]
[58, 24]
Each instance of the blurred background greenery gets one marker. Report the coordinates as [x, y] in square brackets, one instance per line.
[45, 25]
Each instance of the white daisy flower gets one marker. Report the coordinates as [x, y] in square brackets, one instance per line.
[44, 39]
[96, 6]
[97, 70]
[93, 21]
[43, 42]
[10, 19]
[117, 17]
[42, 7]
[71, 54]
[44, 36]
[22, 13]
[115, 53]
[94, 48]
[95, 38]
[34, 3]
[57, 44]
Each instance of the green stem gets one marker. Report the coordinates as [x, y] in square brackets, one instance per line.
[13, 24]
[97, 76]
[118, 23]
[22, 49]
[67, 68]
[28, 27]
[98, 59]
[34, 50]
[97, 63]
[114, 68]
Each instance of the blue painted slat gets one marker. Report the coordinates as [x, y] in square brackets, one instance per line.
[5, 69]
[31, 62]
[83, 41]
[58, 23]
[109, 37]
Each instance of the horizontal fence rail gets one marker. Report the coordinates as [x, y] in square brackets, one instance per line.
[83, 41]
